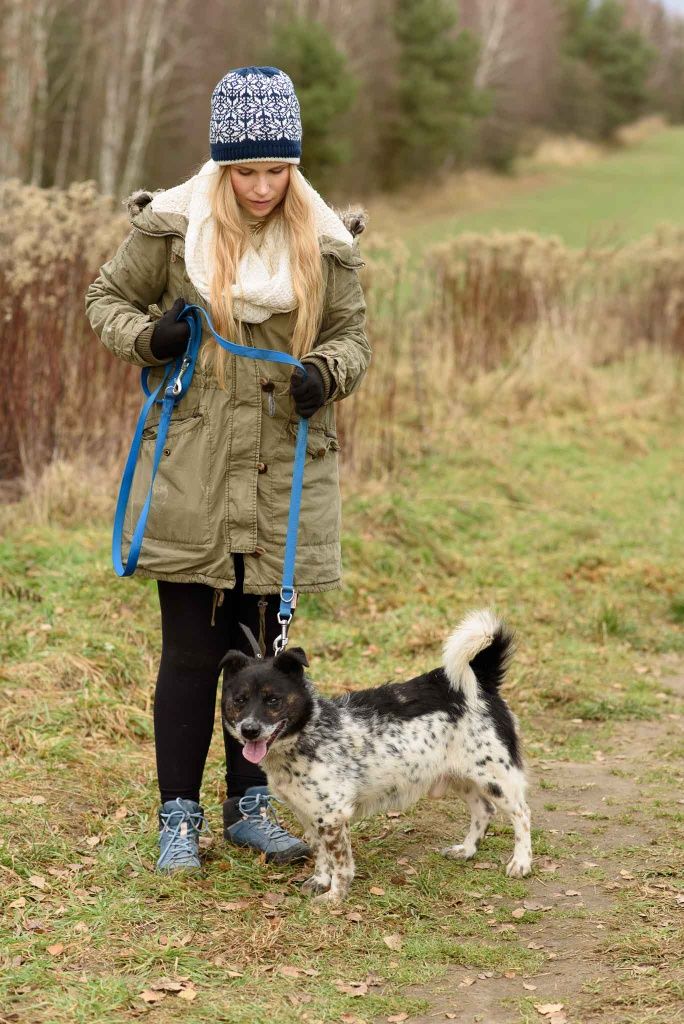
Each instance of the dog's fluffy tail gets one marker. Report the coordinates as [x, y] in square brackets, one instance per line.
[477, 653]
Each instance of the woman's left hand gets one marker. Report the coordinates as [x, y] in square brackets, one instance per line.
[308, 392]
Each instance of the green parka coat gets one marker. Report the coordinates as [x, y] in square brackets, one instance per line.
[223, 485]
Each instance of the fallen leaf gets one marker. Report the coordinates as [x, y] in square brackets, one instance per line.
[18, 903]
[93, 840]
[572, 892]
[376, 890]
[548, 1008]
[166, 985]
[38, 881]
[394, 941]
[289, 972]
[374, 979]
[120, 813]
[150, 996]
[273, 899]
[354, 917]
[56, 950]
[518, 913]
[626, 874]
[234, 905]
[529, 986]
[188, 994]
[510, 974]
[397, 1018]
[352, 988]
[466, 983]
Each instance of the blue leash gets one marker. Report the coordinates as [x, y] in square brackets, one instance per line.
[174, 384]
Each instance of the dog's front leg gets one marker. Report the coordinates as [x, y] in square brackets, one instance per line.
[335, 840]
[320, 880]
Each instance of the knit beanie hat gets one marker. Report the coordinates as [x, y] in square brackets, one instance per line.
[255, 116]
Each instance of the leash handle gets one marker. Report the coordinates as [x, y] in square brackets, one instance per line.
[175, 383]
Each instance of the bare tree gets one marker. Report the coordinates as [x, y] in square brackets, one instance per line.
[22, 65]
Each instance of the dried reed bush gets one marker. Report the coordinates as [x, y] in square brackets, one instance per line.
[645, 302]
[521, 310]
[63, 392]
[487, 289]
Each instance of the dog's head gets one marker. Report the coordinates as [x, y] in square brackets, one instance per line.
[265, 700]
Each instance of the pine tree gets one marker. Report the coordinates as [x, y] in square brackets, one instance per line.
[436, 102]
[603, 82]
[325, 88]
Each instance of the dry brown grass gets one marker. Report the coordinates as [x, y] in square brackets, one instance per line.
[524, 312]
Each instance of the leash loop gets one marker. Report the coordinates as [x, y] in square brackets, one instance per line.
[175, 382]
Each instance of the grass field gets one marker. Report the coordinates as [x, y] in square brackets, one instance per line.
[607, 201]
[570, 526]
[563, 509]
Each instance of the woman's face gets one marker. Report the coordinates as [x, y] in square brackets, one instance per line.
[259, 186]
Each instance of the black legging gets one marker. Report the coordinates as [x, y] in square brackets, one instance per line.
[185, 697]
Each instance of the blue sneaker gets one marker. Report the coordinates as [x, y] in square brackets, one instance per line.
[180, 824]
[258, 827]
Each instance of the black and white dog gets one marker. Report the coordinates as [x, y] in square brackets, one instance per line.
[333, 761]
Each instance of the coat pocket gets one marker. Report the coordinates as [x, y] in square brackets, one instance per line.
[179, 512]
[319, 521]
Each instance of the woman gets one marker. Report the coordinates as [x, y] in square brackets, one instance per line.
[248, 238]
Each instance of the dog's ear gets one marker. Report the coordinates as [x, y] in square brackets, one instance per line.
[291, 661]
[233, 661]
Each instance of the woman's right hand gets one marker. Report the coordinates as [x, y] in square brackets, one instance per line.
[170, 335]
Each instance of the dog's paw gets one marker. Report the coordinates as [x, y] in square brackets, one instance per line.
[315, 885]
[518, 868]
[328, 897]
[459, 852]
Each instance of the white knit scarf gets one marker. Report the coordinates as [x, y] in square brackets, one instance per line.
[264, 277]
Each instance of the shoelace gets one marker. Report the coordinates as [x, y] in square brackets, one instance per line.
[258, 807]
[182, 845]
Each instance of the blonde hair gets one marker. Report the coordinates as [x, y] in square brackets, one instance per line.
[231, 238]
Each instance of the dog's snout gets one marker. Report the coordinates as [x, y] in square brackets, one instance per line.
[250, 730]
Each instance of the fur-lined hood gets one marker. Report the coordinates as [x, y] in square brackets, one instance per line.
[354, 218]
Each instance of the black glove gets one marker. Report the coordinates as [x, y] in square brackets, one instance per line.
[308, 392]
[170, 335]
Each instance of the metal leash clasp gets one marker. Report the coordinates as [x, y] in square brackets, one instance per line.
[288, 596]
[177, 385]
[280, 642]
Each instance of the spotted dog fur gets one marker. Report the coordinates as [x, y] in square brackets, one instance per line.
[333, 761]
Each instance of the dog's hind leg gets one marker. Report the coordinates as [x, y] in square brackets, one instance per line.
[335, 840]
[482, 811]
[507, 792]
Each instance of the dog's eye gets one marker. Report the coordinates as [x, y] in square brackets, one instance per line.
[239, 701]
[272, 702]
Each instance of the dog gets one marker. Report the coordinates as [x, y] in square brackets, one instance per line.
[333, 761]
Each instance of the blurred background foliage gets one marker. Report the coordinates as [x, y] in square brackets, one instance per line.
[390, 90]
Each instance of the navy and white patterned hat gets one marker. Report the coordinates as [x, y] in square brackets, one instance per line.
[255, 116]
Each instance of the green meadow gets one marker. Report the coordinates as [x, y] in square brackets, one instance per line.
[611, 200]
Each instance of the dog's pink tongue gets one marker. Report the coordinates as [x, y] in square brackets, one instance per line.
[255, 750]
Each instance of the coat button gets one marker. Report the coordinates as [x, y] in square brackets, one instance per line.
[167, 451]
[262, 467]
[258, 552]
[266, 384]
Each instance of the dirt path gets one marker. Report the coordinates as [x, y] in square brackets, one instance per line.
[603, 817]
